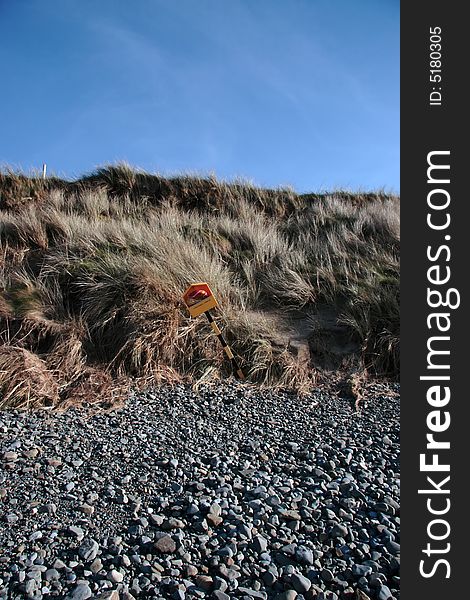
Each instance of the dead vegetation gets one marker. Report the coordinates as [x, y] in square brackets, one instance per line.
[25, 380]
[92, 272]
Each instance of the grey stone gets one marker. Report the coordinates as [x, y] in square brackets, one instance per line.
[384, 593]
[300, 583]
[81, 591]
[76, 532]
[96, 566]
[392, 547]
[165, 545]
[115, 576]
[287, 595]
[51, 574]
[219, 595]
[259, 544]
[88, 549]
[327, 575]
[361, 570]
[339, 531]
[304, 555]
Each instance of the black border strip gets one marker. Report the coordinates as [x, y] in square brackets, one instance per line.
[424, 129]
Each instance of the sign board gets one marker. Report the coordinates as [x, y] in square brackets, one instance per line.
[199, 299]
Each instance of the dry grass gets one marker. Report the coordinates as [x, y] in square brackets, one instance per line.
[92, 272]
[25, 381]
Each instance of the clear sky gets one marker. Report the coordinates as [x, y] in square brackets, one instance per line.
[281, 92]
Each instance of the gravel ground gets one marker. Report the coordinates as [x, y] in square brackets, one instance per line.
[227, 493]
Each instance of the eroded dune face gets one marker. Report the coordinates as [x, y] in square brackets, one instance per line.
[93, 273]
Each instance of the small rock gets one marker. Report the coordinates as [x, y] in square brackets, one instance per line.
[300, 583]
[287, 595]
[269, 577]
[339, 531]
[11, 518]
[215, 509]
[10, 456]
[30, 587]
[51, 574]
[220, 584]
[115, 576]
[214, 520]
[253, 593]
[156, 519]
[327, 575]
[392, 547]
[304, 555]
[87, 509]
[191, 570]
[88, 549]
[204, 582]
[32, 453]
[80, 592]
[384, 593]
[110, 595]
[165, 545]
[219, 595]
[361, 570]
[173, 523]
[260, 544]
[76, 532]
[290, 515]
[96, 566]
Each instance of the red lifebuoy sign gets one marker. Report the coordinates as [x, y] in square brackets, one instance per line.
[199, 299]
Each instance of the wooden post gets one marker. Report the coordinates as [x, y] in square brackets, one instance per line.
[200, 299]
[44, 169]
[215, 328]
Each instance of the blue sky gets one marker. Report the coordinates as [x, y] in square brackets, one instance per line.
[281, 92]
